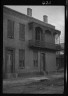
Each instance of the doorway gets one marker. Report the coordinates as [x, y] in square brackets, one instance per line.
[43, 62]
[9, 60]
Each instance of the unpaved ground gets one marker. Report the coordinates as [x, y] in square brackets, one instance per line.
[41, 87]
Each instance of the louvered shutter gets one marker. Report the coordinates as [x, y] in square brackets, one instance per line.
[10, 29]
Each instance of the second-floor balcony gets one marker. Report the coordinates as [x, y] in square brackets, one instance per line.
[43, 45]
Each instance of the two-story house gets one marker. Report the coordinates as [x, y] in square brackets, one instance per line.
[28, 44]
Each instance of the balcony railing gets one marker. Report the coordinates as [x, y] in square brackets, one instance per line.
[58, 46]
[43, 44]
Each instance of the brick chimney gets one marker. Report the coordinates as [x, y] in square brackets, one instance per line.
[29, 12]
[45, 19]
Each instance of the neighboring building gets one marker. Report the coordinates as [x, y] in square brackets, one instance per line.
[60, 57]
[28, 44]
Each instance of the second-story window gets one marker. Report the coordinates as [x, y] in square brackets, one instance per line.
[38, 34]
[21, 31]
[10, 29]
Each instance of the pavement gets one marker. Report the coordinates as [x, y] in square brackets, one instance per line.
[23, 81]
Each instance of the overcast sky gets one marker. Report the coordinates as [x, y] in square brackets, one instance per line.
[56, 15]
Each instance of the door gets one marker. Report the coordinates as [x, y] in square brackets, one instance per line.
[9, 61]
[42, 61]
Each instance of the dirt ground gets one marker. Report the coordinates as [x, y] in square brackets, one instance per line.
[52, 86]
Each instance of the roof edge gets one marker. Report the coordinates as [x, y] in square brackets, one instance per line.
[45, 24]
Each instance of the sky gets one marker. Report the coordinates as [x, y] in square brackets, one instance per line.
[56, 15]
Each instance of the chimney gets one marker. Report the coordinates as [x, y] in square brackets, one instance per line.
[45, 19]
[29, 12]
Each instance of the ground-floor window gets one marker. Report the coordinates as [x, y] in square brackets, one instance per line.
[35, 58]
[21, 58]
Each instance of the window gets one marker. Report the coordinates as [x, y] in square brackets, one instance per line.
[35, 58]
[39, 33]
[10, 29]
[21, 31]
[21, 58]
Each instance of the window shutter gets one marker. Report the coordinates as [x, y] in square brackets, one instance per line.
[10, 28]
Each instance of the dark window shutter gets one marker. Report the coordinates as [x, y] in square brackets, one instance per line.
[10, 29]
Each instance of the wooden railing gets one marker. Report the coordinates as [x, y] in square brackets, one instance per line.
[43, 44]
